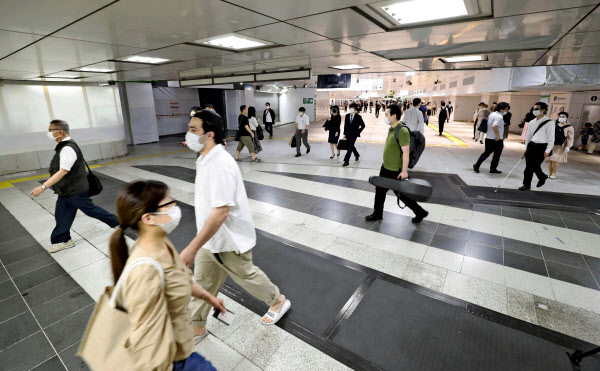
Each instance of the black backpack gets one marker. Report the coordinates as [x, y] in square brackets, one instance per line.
[559, 135]
[417, 144]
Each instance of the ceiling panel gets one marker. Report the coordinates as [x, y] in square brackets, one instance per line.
[8, 75]
[504, 8]
[156, 24]
[547, 61]
[496, 60]
[289, 9]
[13, 41]
[115, 66]
[591, 51]
[315, 49]
[589, 23]
[55, 54]
[579, 39]
[184, 52]
[44, 17]
[341, 23]
[509, 29]
[362, 59]
[282, 33]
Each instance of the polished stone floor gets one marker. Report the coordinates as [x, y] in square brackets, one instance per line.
[540, 265]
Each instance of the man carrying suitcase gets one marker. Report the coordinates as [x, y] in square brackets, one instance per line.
[395, 165]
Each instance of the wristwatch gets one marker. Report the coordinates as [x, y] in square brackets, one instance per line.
[43, 186]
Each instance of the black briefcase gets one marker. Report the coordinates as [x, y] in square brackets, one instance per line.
[415, 189]
[343, 145]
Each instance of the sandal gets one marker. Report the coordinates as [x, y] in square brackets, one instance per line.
[274, 316]
[256, 160]
[331, 157]
[237, 159]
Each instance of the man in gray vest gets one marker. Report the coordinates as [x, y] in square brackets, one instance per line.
[68, 179]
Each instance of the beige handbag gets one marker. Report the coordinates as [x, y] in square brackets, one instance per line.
[103, 346]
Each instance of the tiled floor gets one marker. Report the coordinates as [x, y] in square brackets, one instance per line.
[505, 258]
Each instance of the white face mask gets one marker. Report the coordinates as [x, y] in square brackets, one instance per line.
[193, 141]
[51, 136]
[301, 114]
[536, 112]
[268, 107]
[562, 120]
[351, 110]
[387, 121]
[175, 214]
[503, 113]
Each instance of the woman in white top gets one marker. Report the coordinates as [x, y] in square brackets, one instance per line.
[560, 150]
[253, 121]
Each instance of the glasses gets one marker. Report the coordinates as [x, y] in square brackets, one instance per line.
[54, 129]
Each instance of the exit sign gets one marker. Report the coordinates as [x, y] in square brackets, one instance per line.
[307, 100]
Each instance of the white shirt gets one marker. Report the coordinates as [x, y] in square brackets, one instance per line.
[219, 183]
[253, 123]
[302, 121]
[495, 119]
[67, 156]
[544, 135]
[413, 118]
[268, 116]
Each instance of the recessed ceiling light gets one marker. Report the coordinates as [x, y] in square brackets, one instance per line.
[348, 67]
[146, 60]
[408, 12]
[94, 69]
[464, 58]
[233, 42]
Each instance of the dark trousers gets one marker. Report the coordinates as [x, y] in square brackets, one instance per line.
[377, 112]
[442, 122]
[533, 162]
[269, 128]
[351, 149]
[495, 147]
[304, 138]
[380, 194]
[474, 128]
[66, 208]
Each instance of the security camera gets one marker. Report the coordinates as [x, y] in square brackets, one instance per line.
[436, 82]
[110, 82]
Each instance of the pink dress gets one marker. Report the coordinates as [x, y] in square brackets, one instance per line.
[558, 151]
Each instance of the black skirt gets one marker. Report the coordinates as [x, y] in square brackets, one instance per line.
[332, 137]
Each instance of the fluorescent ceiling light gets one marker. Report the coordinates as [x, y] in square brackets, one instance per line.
[62, 76]
[147, 60]
[233, 42]
[349, 67]
[464, 58]
[412, 11]
[94, 69]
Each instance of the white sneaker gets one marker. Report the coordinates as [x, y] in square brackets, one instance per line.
[552, 176]
[61, 246]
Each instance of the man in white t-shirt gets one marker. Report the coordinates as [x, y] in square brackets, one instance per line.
[301, 131]
[226, 234]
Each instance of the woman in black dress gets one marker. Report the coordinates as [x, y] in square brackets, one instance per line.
[333, 125]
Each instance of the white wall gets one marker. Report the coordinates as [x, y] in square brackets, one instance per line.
[233, 100]
[292, 100]
[323, 104]
[92, 112]
[464, 107]
[173, 108]
[142, 112]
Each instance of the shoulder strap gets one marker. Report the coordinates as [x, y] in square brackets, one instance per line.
[397, 132]
[540, 126]
[81, 153]
[137, 262]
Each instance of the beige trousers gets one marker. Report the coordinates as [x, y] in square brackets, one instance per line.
[210, 273]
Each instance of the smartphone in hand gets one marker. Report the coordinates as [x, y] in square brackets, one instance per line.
[226, 318]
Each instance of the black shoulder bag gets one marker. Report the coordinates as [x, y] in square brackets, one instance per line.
[95, 187]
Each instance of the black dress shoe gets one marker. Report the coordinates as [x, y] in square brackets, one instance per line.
[373, 217]
[541, 182]
[345, 164]
[356, 158]
[308, 151]
[476, 168]
[419, 218]
[298, 155]
[524, 188]
[495, 171]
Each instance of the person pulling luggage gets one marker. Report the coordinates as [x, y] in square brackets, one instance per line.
[396, 153]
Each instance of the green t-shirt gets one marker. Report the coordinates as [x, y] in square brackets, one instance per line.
[392, 154]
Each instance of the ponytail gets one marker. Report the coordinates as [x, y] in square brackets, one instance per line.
[119, 252]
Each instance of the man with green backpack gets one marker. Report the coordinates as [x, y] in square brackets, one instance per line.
[401, 150]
